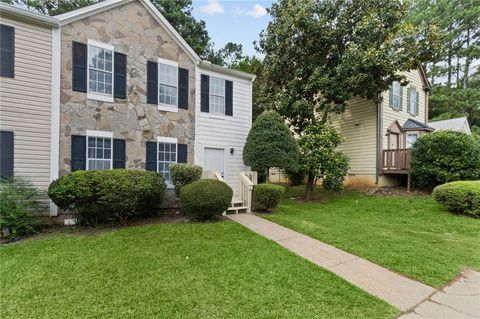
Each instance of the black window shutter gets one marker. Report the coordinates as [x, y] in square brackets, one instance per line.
[152, 82]
[79, 153]
[229, 98]
[204, 93]
[7, 51]
[182, 153]
[6, 153]
[79, 67]
[119, 153]
[151, 158]
[183, 88]
[120, 75]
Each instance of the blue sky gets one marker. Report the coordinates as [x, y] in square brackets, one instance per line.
[233, 21]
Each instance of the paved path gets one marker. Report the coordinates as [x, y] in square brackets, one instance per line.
[401, 292]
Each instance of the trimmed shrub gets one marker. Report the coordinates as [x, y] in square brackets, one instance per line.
[183, 174]
[459, 197]
[443, 157]
[18, 199]
[267, 196]
[205, 198]
[103, 196]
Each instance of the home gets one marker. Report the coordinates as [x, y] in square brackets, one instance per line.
[29, 109]
[459, 124]
[378, 138]
[132, 93]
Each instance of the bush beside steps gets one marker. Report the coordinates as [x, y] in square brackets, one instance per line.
[267, 196]
[459, 197]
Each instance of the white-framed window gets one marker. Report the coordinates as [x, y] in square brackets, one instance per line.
[100, 71]
[167, 85]
[412, 103]
[217, 95]
[99, 150]
[396, 95]
[167, 154]
[411, 138]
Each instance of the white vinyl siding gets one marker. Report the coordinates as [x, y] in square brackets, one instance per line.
[225, 132]
[26, 103]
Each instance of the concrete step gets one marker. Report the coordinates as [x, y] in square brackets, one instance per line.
[236, 203]
[237, 209]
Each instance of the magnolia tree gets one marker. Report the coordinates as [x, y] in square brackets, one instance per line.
[321, 53]
[270, 143]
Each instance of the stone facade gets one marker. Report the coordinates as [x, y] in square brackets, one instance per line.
[132, 30]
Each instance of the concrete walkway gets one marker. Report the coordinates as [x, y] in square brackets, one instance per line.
[401, 292]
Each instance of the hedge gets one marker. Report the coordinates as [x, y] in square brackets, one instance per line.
[459, 197]
[205, 198]
[104, 196]
[183, 174]
[266, 196]
[443, 157]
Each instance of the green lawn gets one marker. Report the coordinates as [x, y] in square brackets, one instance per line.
[412, 235]
[204, 270]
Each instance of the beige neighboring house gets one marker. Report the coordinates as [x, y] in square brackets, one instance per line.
[29, 113]
[459, 124]
[378, 138]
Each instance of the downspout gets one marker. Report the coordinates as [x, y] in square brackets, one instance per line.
[379, 137]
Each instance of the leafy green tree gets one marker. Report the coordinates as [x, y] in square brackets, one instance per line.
[270, 144]
[320, 54]
[51, 7]
[228, 56]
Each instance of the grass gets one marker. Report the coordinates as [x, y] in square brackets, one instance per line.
[184, 270]
[411, 235]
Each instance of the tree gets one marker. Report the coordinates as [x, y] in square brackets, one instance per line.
[228, 56]
[51, 7]
[320, 54]
[270, 144]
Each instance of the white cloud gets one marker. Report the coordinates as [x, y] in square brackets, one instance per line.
[258, 11]
[212, 7]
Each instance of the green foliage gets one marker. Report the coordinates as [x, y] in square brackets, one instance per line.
[103, 196]
[50, 7]
[295, 176]
[270, 144]
[459, 197]
[267, 196]
[183, 174]
[320, 160]
[18, 199]
[205, 198]
[445, 156]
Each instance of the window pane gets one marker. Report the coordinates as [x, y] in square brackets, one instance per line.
[100, 70]
[167, 154]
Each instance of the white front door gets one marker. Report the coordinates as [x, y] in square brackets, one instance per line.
[214, 160]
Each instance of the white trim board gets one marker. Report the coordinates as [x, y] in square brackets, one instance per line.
[94, 133]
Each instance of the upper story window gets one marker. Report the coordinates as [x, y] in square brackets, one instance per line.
[7, 51]
[99, 150]
[100, 71]
[413, 98]
[168, 84]
[396, 96]
[217, 95]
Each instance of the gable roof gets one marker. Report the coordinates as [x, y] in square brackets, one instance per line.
[71, 16]
[459, 124]
[414, 125]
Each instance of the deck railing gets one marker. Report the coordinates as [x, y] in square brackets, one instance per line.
[396, 159]
[247, 181]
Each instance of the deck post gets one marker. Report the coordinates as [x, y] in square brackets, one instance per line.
[408, 182]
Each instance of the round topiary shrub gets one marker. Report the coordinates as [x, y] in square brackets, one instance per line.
[443, 157]
[183, 174]
[459, 197]
[102, 196]
[267, 196]
[205, 198]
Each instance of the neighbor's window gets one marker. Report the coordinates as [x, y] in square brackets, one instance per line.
[396, 95]
[411, 139]
[168, 83]
[100, 68]
[412, 103]
[99, 153]
[217, 95]
[167, 154]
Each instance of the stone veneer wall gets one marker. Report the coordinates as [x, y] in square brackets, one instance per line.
[135, 32]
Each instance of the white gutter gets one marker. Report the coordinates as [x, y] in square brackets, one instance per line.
[29, 16]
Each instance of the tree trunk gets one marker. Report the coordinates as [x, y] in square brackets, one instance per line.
[449, 59]
[310, 187]
[467, 62]
[267, 178]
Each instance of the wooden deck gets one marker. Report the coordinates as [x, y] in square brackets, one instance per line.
[397, 161]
